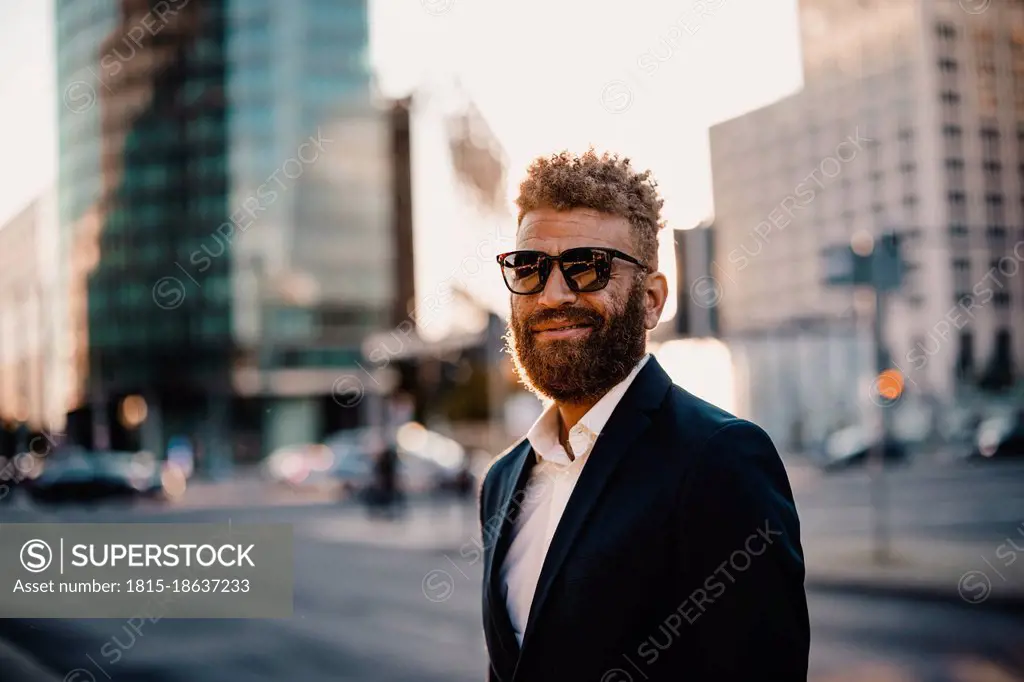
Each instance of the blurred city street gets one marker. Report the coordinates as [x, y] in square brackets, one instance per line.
[262, 261]
[385, 601]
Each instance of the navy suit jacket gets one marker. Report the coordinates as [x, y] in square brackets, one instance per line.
[677, 557]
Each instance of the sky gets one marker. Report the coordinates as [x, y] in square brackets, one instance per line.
[28, 110]
[645, 79]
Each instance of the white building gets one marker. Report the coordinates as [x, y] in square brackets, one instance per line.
[460, 211]
[32, 377]
[911, 120]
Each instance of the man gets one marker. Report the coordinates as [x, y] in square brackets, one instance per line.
[636, 532]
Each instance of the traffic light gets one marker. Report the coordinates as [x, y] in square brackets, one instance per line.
[882, 268]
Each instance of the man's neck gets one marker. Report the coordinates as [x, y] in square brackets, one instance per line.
[570, 414]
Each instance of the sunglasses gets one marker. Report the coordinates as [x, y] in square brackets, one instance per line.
[584, 269]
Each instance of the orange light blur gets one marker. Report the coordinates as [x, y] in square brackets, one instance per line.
[890, 384]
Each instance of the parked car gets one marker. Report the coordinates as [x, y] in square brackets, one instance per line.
[17, 474]
[1000, 437]
[83, 476]
[855, 446]
[303, 465]
[431, 461]
[427, 461]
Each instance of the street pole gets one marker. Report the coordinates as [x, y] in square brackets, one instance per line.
[874, 263]
[881, 543]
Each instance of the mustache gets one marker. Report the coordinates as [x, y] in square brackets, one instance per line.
[570, 315]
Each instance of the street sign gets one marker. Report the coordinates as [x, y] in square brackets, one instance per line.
[839, 264]
[886, 265]
[881, 269]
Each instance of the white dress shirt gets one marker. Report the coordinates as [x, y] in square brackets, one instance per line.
[551, 483]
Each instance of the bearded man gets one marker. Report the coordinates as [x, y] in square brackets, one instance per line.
[637, 532]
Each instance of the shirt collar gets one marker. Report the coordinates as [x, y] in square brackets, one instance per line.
[543, 435]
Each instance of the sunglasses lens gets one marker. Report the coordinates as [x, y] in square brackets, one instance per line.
[586, 268]
[522, 272]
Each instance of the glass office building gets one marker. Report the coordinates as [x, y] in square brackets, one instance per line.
[226, 198]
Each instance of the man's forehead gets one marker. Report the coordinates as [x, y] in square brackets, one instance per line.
[579, 223]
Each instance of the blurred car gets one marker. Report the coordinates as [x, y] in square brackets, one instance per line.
[302, 465]
[83, 476]
[431, 461]
[1000, 437]
[855, 446]
[17, 474]
[427, 461]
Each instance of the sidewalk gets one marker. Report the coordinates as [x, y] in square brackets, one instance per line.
[248, 488]
[965, 571]
[433, 526]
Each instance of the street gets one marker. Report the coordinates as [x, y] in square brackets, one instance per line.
[375, 601]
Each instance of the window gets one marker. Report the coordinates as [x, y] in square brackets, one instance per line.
[950, 97]
[1017, 33]
[907, 167]
[995, 232]
[909, 200]
[993, 200]
[958, 230]
[954, 164]
[990, 142]
[965, 357]
[952, 131]
[945, 31]
[961, 264]
[1001, 299]
[999, 371]
[957, 198]
[947, 65]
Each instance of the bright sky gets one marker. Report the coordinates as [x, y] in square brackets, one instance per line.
[550, 75]
[644, 78]
[28, 113]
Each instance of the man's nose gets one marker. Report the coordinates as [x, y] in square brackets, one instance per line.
[556, 292]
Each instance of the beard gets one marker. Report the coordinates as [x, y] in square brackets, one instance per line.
[578, 371]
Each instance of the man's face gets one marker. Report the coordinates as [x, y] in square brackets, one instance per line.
[609, 327]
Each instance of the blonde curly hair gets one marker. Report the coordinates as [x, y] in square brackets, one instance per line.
[605, 183]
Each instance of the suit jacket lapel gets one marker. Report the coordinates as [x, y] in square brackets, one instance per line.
[498, 530]
[629, 420]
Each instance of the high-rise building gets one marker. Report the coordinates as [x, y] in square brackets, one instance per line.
[31, 372]
[229, 199]
[911, 121]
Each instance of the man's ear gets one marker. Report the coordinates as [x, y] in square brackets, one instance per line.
[656, 297]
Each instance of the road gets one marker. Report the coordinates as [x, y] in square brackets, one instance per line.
[372, 604]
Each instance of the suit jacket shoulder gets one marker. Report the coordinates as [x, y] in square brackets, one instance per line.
[497, 468]
[693, 421]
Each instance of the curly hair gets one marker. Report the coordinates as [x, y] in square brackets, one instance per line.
[605, 183]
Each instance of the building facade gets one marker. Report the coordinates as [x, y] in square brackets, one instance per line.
[228, 216]
[31, 368]
[697, 291]
[911, 121]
